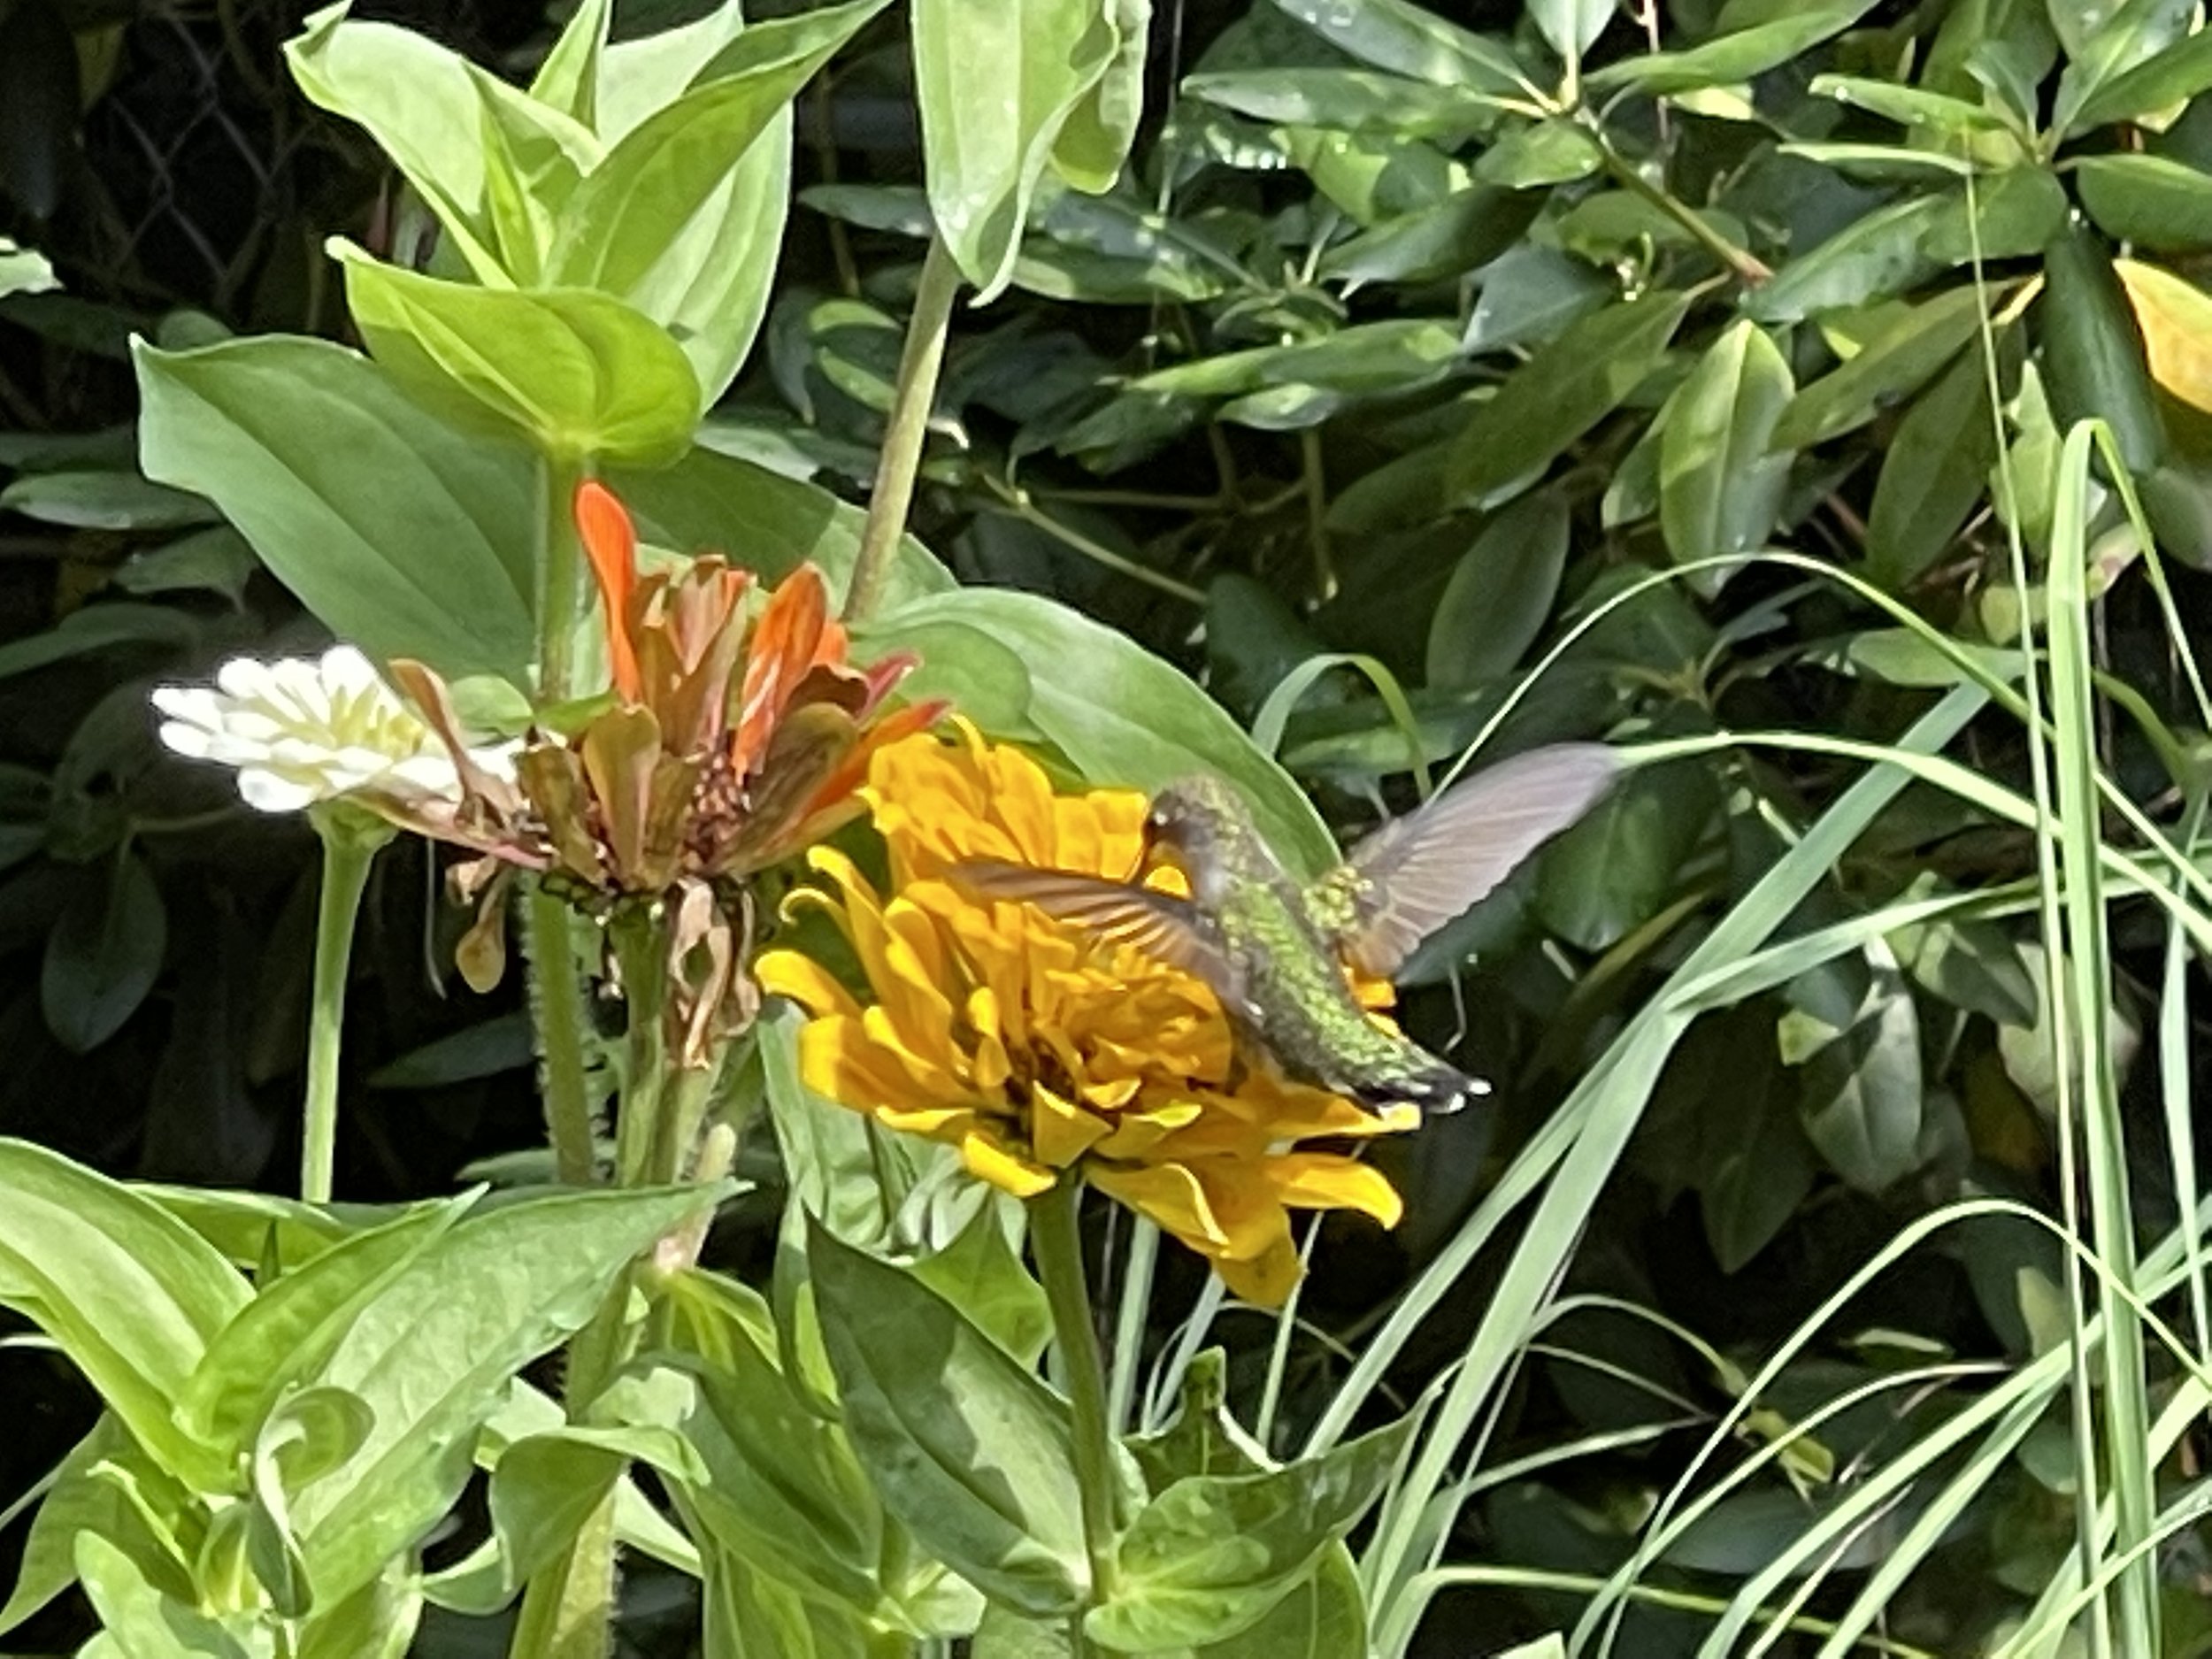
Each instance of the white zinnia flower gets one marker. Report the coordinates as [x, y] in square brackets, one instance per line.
[301, 732]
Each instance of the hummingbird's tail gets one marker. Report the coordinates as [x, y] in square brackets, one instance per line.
[1434, 1087]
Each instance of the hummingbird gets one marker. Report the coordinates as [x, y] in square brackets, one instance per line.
[1275, 953]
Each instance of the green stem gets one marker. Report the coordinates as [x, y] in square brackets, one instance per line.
[1747, 267]
[909, 424]
[556, 1006]
[560, 579]
[1058, 1243]
[347, 853]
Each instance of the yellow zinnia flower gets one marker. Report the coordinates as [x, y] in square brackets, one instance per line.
[1040, 1054]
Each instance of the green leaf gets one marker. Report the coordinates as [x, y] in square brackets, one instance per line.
[964, 1444]
[132, 1294]
[103, 500]
[1571, 28]
[2094, 364]
[1731, 58]
[2150, 201]
[432, 1353]
[1325, 1616]
[2131, 37]
[103, 627]
[1615, 870]
[23, 271]
[1408, 40]
[2163, 82]
[402, 534]
[1721, 484]
[1862, 1102]
[1894, 362]
[1500, 595]
[1567, 387]
[684, 218]
[1348, 100]
[984, 158]
[1122, 716]
[579, 374]
[771, 524]
[290, 1328]
[1213, 1554]
[141, 1623]
[103, 955]
[1934, 472]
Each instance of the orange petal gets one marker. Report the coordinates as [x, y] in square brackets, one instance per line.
[611, 541]
[782, 651]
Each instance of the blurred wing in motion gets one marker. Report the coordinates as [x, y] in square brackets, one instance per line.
[1420, 871]
[1157, 924]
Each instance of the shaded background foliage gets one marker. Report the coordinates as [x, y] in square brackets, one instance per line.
[1212, 413]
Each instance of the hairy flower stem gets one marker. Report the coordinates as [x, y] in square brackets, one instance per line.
[1058, 1243]
[908, 425]
[349, 849]
[557, 1012]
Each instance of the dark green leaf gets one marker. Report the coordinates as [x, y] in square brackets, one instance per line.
[1572, 382]
[1500, 593]
[103, 500]
[103, 955]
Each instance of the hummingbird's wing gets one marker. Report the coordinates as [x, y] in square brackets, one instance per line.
[1418, 872]
[1157, 924]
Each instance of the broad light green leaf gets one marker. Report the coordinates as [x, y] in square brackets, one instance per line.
[1568, 386]
[1731, 58]
[2131, 37]
[1933, 473]
[985, 157]
[1721, 484]
[289, 1330]
[1500, 593]
[2148, 200]
[131, 1294]
[1213, 1554]
[23, 271]
[104, 954]
[683, 218]
[90, 500]
[433, 1352]
[141, 1623]
[1904, 356]
[580, 375]
[1122, 716]
[1411, 40]
[402, 534]
[965, 1446]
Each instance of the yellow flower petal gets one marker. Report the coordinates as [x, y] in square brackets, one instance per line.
[988, 1161]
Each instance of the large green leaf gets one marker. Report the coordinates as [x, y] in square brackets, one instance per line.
[1213, 1554]
[130, 1294]
[1123, 715]
[402, 533]
[965, 1447]
[433, 1352]
[1720, 486]
[985, 156]
[579, 374]
[1570, 383]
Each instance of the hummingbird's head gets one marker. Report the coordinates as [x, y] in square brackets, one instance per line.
[1191, 820]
